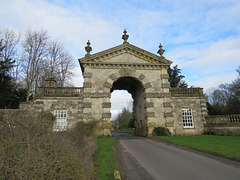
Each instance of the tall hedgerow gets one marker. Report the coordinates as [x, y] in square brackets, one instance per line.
[29, 149]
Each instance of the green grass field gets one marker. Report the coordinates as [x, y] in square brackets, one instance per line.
[125, 131]
[105, 160]
[225, 146]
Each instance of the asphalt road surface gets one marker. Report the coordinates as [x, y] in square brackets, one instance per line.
[141, 158]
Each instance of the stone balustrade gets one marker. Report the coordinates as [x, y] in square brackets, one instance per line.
[58, 91]
[186, 92]
[223, 120]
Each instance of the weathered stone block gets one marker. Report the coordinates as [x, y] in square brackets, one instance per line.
[168, 114]
[107, 85]
[165, 85]
[87, 115]
[164, 76]
[125, 72]
[167, 104]
[106, 105]
[149, 104]
[150, 114]
[147, 85]
[106, 125]
[87, 85]
[87, 75]
[169, 124]
[106, 115]
[113, 77]
[141, 77]
[87, 105]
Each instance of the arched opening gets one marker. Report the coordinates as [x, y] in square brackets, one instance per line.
[121, 110]
[136, 89]
[120, 99]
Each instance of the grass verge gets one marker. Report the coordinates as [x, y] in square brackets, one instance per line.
[125, 131]
[105, 160]
[225, 146]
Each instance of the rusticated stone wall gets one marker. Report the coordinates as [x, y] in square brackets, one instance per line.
[198, 107]
[73, 105]
[150, 109]
[188, 98]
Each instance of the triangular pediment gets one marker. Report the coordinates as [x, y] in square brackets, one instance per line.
[125, 54]
[125, 58]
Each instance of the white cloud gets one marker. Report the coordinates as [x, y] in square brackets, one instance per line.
[213, 81]
[202, 37]
[120, 99]
[72, 26]
[223, 55]
[208, 65]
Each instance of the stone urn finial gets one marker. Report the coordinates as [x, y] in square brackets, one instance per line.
[161, 51]
[125, 36]
[88, 48]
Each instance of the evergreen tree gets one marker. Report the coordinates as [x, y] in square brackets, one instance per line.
[175, 79]
[10, 96]
[5, 79]
[5, 63]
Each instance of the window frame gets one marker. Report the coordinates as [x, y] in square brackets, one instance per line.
[187, 118]
[60, 123]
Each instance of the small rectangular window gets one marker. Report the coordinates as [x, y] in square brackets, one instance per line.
[60, 124]
[187, 118]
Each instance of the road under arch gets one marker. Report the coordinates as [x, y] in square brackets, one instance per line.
[136, 89]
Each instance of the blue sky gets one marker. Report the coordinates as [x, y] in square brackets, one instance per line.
[201, 36]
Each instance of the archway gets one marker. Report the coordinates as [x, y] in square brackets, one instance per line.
[136, 89]
[120, 99]
[127, 67]
[121, 110]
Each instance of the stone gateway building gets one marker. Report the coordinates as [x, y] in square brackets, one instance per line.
[125, 67]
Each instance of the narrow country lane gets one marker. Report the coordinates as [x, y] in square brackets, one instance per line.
[142, 158]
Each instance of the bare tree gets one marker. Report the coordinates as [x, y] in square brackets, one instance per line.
[40, 59]
[65, 68]
[225, 99]
[55, 51]
[34, 55]
[60, 63]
